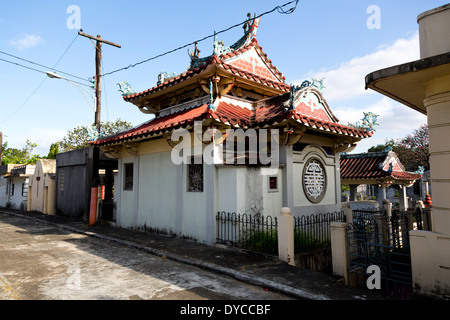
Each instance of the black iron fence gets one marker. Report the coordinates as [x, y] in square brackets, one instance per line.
[260, 233]
[251, 232]
[313, 231]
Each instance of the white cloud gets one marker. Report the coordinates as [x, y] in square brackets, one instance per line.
[346, 94]
[27, 41]
[395, 121]
[348, 80]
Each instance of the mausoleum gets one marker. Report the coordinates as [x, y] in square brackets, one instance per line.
[228, 134]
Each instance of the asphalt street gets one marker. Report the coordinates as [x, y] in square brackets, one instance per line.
[43, 262]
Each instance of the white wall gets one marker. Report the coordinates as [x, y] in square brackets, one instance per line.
[3, 191]
[157, 192]
[331, 200]
[246, 190]
[17, 200]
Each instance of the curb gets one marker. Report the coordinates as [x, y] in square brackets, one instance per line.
[241, 276]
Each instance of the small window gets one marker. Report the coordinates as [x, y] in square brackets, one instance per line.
[195, 177]
[12, 189]
[25, 189]
[128, 176]
[61, 181]
[273, 183]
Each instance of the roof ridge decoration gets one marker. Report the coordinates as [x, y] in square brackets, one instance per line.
[367, 122]
[307, 99]
[125, 88]
[219, 48]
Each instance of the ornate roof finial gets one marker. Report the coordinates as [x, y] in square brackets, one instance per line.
[125, 88]
[195, 54]
[248, 23]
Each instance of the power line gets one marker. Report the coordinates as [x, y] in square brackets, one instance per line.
[40, 71]
[279, 9]
[40, 84]
[43, 66]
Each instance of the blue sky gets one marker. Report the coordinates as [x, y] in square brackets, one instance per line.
[324, 39]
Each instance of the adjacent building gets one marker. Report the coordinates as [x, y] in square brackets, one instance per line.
[423, 85]
[16, 189]
[41, 187]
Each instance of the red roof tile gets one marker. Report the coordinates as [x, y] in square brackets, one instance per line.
[369, 166]
[225, 112]
[277, 112]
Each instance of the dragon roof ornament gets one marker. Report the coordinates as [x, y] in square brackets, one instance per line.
[250, 30]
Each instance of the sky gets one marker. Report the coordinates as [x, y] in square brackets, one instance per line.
[340, 41]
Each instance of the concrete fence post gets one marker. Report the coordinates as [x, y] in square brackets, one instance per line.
[286, 236]
[339, 249]
[348, 212]
[386, 208]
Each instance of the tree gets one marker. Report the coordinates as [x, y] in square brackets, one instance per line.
[16, 156]
[412, 150]
[381, 147]
[79, 137]
[415, 150]
[54, 150]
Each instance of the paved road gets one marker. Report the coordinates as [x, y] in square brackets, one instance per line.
[42, 262]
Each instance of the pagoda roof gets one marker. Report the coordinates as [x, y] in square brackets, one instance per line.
[269, 112]
[374, 167]
[214, 61]
[244, 59]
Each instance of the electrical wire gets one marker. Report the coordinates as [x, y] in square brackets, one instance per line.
[40, 84]
[43, 66]
[40, 71]
[279, 9]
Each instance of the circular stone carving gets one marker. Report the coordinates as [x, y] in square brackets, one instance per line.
[314, 180]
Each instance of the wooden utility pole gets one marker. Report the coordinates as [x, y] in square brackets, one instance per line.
[98, 101]
[98, 72]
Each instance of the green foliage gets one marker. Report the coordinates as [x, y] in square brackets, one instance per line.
[412, 150]
[262, 241]
[54, 150]
[304, 241]
[79, 137]
[16, 156]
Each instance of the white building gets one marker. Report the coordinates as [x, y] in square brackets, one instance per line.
[41, 192]
[174, 172]
[17, 186]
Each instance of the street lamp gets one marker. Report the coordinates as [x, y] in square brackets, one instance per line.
[53, 75]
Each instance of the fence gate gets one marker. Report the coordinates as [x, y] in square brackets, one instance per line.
[382, 242]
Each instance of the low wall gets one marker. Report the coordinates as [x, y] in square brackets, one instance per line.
[317, 260]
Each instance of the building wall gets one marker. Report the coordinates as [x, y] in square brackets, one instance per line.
[18, 197]
[331, 201]
[157, 192]
[3, 191]
[159, 199]
[73, 184]
[245, 189]
[41, 195]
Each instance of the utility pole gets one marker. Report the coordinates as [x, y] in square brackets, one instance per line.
[98, 72]
[98, 100]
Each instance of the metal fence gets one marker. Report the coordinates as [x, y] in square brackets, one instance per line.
[382, 242]
[313, 231]
[251, 232]
[260, 233]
